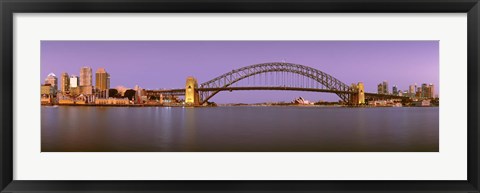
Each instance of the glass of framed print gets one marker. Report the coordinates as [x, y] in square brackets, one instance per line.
[239, 96]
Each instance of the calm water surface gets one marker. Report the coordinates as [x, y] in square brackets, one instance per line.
[239, 129]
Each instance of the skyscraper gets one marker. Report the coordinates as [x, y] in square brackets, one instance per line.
[86, 76]
[52, 80]
[102, 80]
[74, 85]
[432, 91]
[395, 90]
[65, 83]
[74, 81]
[411, 89]
[425, 90]
[385, 87]
[380, 88]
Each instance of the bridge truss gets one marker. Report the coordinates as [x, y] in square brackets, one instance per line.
[276, 74]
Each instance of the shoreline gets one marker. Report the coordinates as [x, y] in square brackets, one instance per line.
[246, 105]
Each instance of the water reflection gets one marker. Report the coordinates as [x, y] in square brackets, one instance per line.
[237, 129]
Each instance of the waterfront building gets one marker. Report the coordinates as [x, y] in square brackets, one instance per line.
[81, 99]
[46, 89]
[86, 90]
[46, 94]
[74, 91]
[102, 80]
[86, 76]
[302, 101]
[52, 80]
[112, 101]
[422, 103]
[66, 101]
[65, 83]
[139, 93]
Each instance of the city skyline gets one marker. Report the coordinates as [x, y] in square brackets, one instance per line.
[162, 64]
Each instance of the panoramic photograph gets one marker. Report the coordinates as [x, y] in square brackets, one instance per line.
[239, 96]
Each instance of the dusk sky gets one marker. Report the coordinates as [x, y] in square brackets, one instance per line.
[167, 64]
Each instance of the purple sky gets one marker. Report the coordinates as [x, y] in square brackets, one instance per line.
[166, 64]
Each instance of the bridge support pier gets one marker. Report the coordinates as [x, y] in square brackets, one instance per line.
[358, 97]
[191, 93]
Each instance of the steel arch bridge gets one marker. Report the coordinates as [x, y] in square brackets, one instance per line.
[301, 78]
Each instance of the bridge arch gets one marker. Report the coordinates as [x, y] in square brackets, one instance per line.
[234, 76]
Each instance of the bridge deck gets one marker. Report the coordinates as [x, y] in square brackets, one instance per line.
[179, 92]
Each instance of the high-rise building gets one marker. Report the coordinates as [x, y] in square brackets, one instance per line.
[395, 90]
[425, 90]
[65, 83]
[411, 89]
[74, 85]
[74, 81]
[432, 90]
[418, 93]
[86, 76]
[385, 87]
[52, 80]
[102, 80]
[380, 88]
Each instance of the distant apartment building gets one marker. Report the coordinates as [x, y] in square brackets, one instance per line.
[52, 80]
[427, 91]
[432, 91]
[86, 76]
[74, 86]
[395, 90]
[65, 83]
[74, 81]
[385, 87]
[411, 89]
[86, 86]
[418, 93]
[382, 88]
[102, 80]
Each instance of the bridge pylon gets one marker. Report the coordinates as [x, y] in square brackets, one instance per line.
[358, 97]
[191, 93]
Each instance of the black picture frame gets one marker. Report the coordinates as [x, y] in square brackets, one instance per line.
[9, 7]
